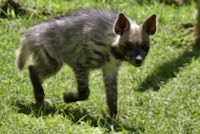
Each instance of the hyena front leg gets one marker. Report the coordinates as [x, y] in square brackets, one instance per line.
[83, 89]
[110, 82]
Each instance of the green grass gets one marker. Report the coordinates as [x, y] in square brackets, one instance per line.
[162, 96]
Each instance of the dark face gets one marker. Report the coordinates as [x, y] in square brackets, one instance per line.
[132, 44]
[135, 53]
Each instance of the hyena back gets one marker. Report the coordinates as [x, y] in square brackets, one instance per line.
[85, 40]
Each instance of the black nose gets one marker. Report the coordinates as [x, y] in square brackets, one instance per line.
[138, 59]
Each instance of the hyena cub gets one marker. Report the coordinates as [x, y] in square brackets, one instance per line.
[85, 40]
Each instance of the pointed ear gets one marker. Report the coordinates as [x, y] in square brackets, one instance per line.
[121, 24]
[149, 25]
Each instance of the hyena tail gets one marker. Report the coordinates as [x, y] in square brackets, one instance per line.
[22, 55]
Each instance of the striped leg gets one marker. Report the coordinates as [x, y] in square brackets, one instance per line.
[83, 89]
[110, 74]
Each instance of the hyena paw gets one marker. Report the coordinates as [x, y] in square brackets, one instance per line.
[45, 102]
[70, 97]
[123, 117]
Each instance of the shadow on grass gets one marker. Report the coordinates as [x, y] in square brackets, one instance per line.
[34, 109]
[76, 115]
[167, 71]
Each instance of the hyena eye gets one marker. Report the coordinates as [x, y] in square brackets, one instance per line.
[127, 48]
[145, 47]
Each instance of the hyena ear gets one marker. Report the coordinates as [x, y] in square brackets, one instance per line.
[121, 24]
[149, 25]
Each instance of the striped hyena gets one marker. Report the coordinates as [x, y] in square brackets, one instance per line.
[85, 40]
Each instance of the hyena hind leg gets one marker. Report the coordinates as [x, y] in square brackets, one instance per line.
[37, 86]
[83, 89]
[40, 71]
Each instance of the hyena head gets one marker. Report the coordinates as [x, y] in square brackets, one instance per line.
[132, 41]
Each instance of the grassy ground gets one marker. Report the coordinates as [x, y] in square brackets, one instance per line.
[162, 96]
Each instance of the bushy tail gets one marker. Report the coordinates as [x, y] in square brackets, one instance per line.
[22, 55]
